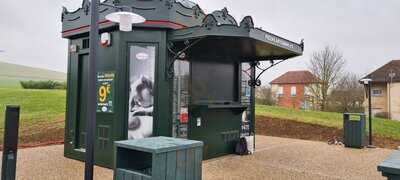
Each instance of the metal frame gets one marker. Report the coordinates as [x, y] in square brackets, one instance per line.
[177, 55]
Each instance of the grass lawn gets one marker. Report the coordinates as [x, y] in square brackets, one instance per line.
[382, 127]
[37, 106]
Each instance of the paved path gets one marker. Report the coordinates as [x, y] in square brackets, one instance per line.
[276, 158]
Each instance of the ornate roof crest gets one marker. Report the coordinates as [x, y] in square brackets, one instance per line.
[209, 21]
[86, 6]
[225, 12]
[247, 22]
[169, 4]
[64, 12]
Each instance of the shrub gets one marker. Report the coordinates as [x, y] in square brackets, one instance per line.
[43, 84]
[61, 85]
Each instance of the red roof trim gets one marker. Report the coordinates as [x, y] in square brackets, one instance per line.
[170, 24]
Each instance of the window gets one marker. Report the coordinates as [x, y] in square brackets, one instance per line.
[85, 43]
[280, 91]
[293, 91]
[376, 92]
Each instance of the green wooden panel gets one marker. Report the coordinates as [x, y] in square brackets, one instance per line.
[137, 177]
[181, 165]
[198, 158]
[119, 175]
[190, 161]
[128, 176]
[146, 178]
[171, 165]
[159, 167]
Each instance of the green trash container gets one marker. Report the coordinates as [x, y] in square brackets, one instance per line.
[354, 130]
[158, 158]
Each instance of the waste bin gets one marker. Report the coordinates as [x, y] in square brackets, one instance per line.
[158, 158]
[354, 130]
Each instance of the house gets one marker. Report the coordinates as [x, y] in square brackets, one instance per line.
[294, 89]
[385, 91]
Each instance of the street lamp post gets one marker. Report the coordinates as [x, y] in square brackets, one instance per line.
[91, 95]
[125, 21]
[368, 84]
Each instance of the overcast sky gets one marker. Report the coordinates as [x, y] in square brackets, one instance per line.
[367, 32]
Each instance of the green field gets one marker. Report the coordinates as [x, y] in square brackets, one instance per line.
[37, 106]
[382, 127]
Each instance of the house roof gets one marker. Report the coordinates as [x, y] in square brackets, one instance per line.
[296, 77]
[386, 72]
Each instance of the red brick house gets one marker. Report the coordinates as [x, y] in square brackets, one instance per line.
[293, 90]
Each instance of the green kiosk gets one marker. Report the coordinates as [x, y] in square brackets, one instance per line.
[182, 73]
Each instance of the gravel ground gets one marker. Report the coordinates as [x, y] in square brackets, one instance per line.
[276, 158]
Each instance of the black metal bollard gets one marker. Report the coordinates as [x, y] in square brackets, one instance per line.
[10, 143]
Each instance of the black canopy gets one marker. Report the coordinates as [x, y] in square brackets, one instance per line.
[239, 43]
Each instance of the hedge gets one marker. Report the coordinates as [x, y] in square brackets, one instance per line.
[43, 84]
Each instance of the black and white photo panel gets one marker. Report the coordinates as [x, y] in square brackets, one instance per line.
[141, 91]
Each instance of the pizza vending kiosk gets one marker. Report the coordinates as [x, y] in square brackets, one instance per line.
[182, 73]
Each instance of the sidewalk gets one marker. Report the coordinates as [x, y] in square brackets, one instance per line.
[276, 158]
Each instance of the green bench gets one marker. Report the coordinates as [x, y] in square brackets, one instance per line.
[390, 167]
[158, 158]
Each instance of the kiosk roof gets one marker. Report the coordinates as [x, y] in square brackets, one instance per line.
[234, 42]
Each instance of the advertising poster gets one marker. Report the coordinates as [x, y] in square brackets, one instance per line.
[141, 91]
[105, 92]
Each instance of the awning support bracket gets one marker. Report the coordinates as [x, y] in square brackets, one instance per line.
[255, 80]
[180, 55]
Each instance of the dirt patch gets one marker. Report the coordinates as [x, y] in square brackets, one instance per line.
[40, 134]
[43, 134]
[298, 130]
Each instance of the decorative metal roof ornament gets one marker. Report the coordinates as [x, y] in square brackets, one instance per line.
[197, 11]
[86, 6]
[169, 4]
[209, 21]
[247, 23]
[115, 2]
[225, 12]
[64, 12]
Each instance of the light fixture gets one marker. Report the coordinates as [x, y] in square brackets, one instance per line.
[125, 19]
[366, 81]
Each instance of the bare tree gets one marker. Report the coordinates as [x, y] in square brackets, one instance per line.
[327, 65]
[348, 95]
[264, 95]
